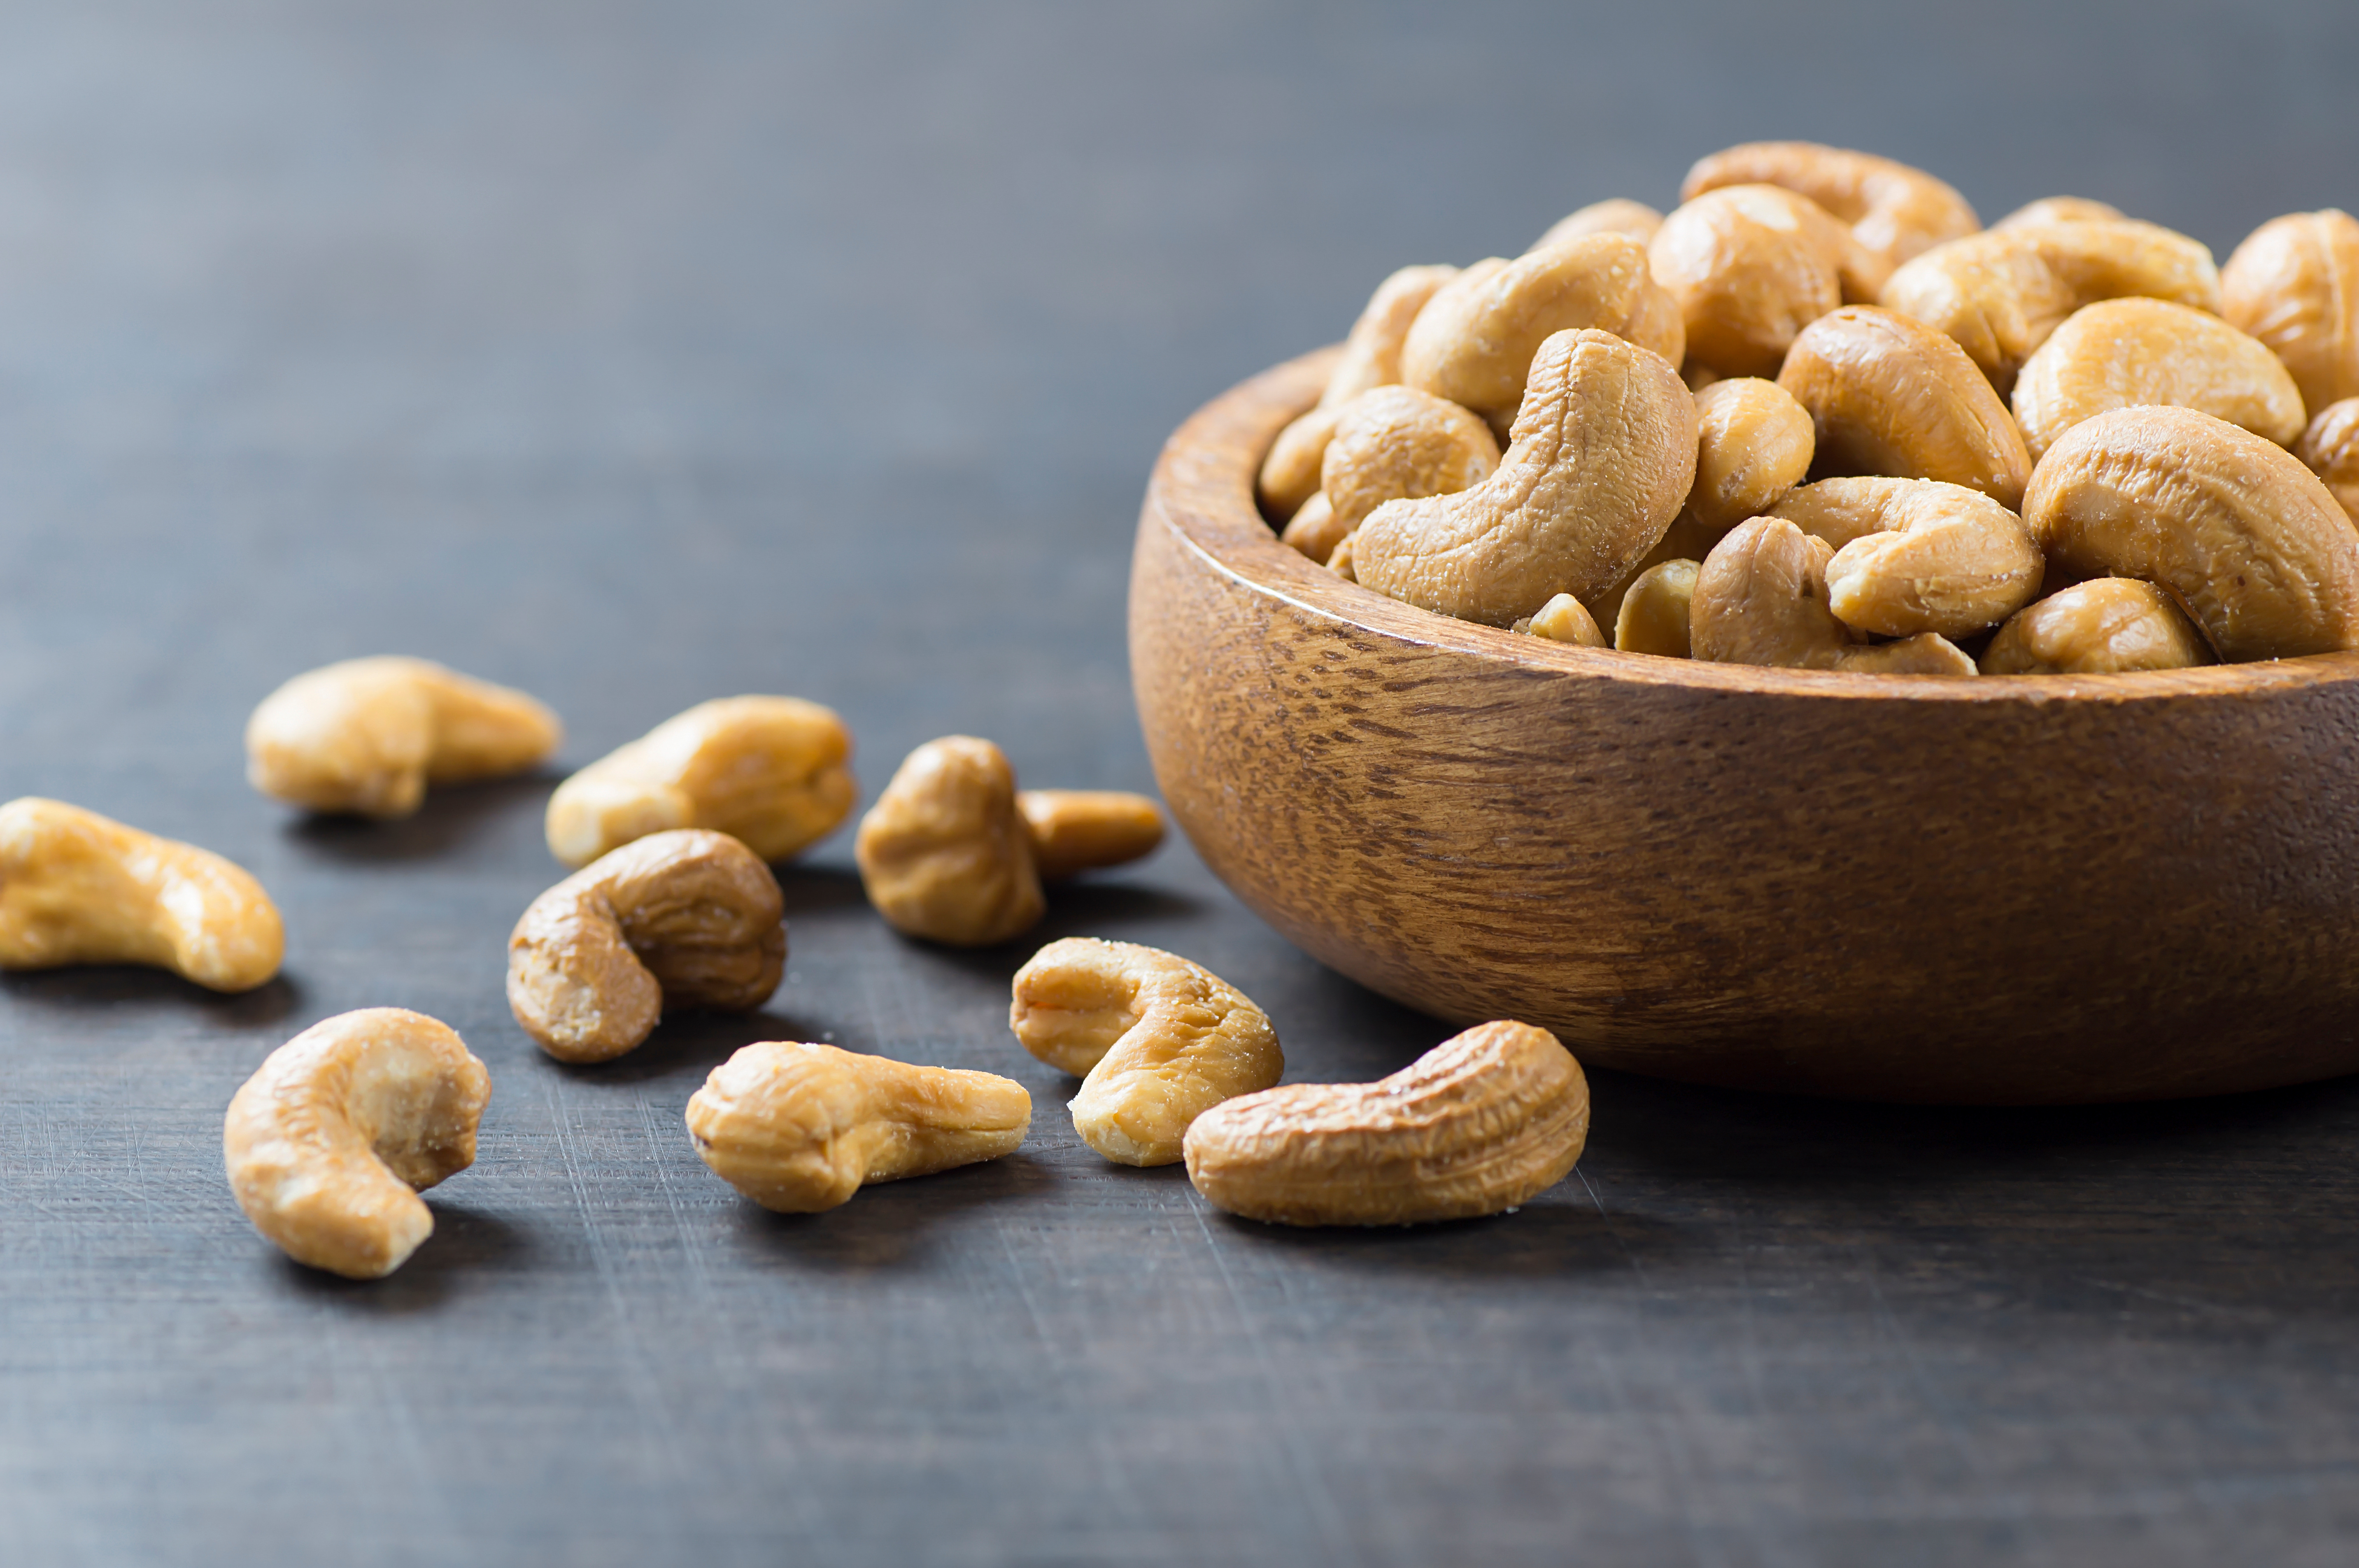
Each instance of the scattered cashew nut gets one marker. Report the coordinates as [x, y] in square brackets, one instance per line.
[1750, 266]
[2119, 354]
[1754, 442]
[2330, 448]
[1916, 555]
[944, 852]
[1760, 597]
[2294, 284]
[1894, 212]
[367, 735]
[2098, 627]
[1073, 831]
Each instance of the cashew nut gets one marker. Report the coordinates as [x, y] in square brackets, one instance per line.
[1889, 395]
[1602, 455]
[800, 1127]
[1563, 619]
[1474, 343]
[329, 1144]
[2248, 539]
[2122, 353]
[1313, 529]
[1484, 1121]
[2330, 447]
[1614, 215]
[2061, 209]
[1894, 212]
[1916, 555]
[1685, 539]
[1658, 611]
[1754, 442]
[944, 853]
[2294, 284]
[1398, 443]
[1340, 562]
[769, 771]
[1073, 831]
[1750, 266]
[1161, 1041]
[76, 888]
[1999, 294]
[1290, 473]
[1760, 597]
[369, 735]
[684, 918]
[2097, 628]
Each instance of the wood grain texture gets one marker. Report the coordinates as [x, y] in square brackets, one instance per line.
[2024, 890]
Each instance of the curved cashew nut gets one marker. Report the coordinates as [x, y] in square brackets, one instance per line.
[1073, 831]
[76, 888]
[1484, 1121]
[1760, 597]
[2061, 210]
[2294, 284]
[1313, 529]
[1398, 443]
[1888, 394]
[1754, 442]
[2119, 354]
[2330, 448]
[1750, 266]
[1658, 612]
[1894, 212]
[684, 918]
[944, 853]
[800, 1127]
[1158, 1040]
[1563, 619]
[329, 1144]
[1603, 454]
[2098, 627]
[1614, 215]
[769, 770]
[368, 734]
[2246, 537]
[1916, 555]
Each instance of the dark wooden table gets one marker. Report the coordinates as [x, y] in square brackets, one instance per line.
[637, 354]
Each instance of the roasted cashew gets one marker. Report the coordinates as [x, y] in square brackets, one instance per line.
[2061, 210]
[684, 918]
[1750, 266]
[2098, 627]
[1313, 529]
[1563, 619]
[2330, 448]
[329, 1144]
[1398, 443]
[76, 888]
[1888, 394]
[1685, 539]
[1073, 831]
[1614, 215]
[1916, 555]
[1894, 212]
[2248, 538]
[2294, 284]
[1602, 455]
[1484, 1121]
[1656, 615]
[944, 852]
[2119, 354]
[800, 1128]
[369, 735]
[1289, 473]
[769, 771]
[1753, 443]
[1760, 597]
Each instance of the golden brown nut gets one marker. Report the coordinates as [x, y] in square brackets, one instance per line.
[2122, 353]
[1916, 555]
[2246, 537]
[1603, 454]
[76, 888]
[369, 735]
[1563, 619]
[2294, 284]
[1398, 443]
[1760, 597]
[800, 1128]
[2061, 209]
[1614, 215]
[1999, 294]
[1753, 443]
[1314, 529]
[1073, 831]
[2098, 627]
[1484, 1121]
[1290, 473]
[770, 771]
[1160, 1039]
[2330, 448]
[1658, 611]
[685, 918]
[1475, 342]
[944, 852]
[331, 1141]
[1750, 266]
[1685, 539]
[1888, 394]
[1894, 212]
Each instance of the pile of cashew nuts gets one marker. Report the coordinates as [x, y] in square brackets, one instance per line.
[673, 906]
[1818, 417]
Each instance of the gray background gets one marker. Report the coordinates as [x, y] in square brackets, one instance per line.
[637, 354]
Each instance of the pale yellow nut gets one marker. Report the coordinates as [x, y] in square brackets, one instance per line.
[76, 888]
[1750, 267]
[800, 1128]
[1894, 212]
[2248, 538]
[1073, 831]
[684, 918]
[2120, 353]
[1314, 529]
[1760, 597]
[329, 1144]
[1340, 562]
[1289, 473]
[2099, 628]
[1484, 1121]
[1888, 394]
[2330, 448]
[1685, 539]
[1563, 619]
[772, 772]
[2294, 284]
[1602, 455]
[1916, 555]
[2061, 209]
[1614, 215]
[1754, 442]
[368, 736]
[1160, 1040]
[1657, 612]
[944, 853]
[1398, 443]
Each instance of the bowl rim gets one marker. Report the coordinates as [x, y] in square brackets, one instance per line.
[1203, 488]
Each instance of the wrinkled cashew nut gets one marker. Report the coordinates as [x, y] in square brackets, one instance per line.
[1484, 1121]
[1916, 555]
[76, 888]
[2120, 353]
[1396, 443]
[799, 1129]
[1894, 212]
[1750, 266]
[2330, 448]
[1614, 215]
[329, 1144]
[1760, 597]
[369, 735]
[1754, 442]
[944, 853]
[1073, 831]
[2099, 628]
[2294, 284]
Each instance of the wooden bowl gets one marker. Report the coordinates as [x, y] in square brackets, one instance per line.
[2021, 890]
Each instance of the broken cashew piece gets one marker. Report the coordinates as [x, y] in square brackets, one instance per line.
[799, 1128]
[683, 918]
[1158, 1041]
[1073, 831]
[77, 887]
[1563, 619]
[769, 771]
[1398, 443]
[1750, 266]
[1614, 215]
[329, 1144]
[2330, 448]
[944, 852]
[2061, 210]
[1894, 212]
[2119, 354]
[367, 735]
[1916, 555]
[1484, 1121]
[1760, 597]
[1658, 611]
[2099, 628]
[2294, 284]
[1754, 442]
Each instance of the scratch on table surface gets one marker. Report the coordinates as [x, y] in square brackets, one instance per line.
[1627, 1256]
